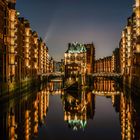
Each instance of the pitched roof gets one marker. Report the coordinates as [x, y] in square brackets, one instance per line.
[76, 48]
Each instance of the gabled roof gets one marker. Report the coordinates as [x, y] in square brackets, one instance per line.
[76, 48]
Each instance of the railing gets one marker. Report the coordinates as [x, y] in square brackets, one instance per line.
[102, 74]
[52, 73]
[105, 93]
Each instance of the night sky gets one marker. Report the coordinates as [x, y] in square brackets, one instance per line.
[59, 22]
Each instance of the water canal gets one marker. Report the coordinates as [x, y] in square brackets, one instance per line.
[48, 112]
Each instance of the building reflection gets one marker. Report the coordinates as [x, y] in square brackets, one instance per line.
[104, 84]
[43, 104]
[124, 103]
[20, 119]
[56, 88]
[106, 87]
[78, 108]
[129, 116]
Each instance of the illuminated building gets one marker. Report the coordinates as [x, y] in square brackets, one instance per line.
[136, 61]
[11, 44]
[34, 55]
[130, 48]
[116, 61]
[123, 43]
[43, 58]
[27, 48]
[121, 55]
[40, 56]
[3, 34]
[126, 48]
[47, 60]
[75, 60]
[8, 55]
[26, 51]
[90, 56]
[22, 50]
[103, 65]
[51, 64]
[21, 60]
[19, 55]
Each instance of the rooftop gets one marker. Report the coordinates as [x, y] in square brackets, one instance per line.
[76, 48]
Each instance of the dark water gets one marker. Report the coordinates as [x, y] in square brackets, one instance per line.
[104, 111]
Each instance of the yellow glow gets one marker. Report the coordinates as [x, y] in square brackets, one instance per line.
[11, 59]
[27, 62]
[27, 55]
[12, 15]
[36, 129]
[27, 45]
[26, 50]
[138, 31]
[36, 66]
[137, 3]
[27, 39]
[12, 41]
[27, 31]
[12, 33]
[12, 49]
[35, 40]
[123, 34]
[138, 48]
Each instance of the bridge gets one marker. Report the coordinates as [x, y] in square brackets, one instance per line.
[56, 92]
[100, 74]
[52, 74]
[56, 80]
[104, 74]
[106, 93]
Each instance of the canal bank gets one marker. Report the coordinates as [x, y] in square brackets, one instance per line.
[9, 90]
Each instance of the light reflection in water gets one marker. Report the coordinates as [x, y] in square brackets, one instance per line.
[78, 108]
[21, 117]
